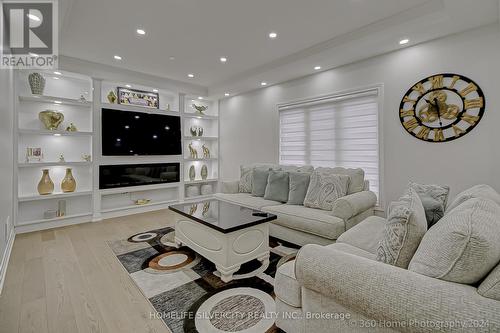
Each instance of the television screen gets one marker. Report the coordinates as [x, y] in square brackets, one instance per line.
[136, 133]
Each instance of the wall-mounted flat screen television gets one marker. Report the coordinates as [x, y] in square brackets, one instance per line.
[126, 133]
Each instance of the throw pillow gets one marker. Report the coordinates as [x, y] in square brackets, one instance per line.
[303, 168]
[434, 198]
[463, 246]
[490, 287]
[479, 191]
[324, 188]
[405, 227]
[245, 185]
[357, 177]
[277, 186]
[259, 181]
[299, 183]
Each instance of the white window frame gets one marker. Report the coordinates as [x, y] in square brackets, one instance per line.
[379, 88]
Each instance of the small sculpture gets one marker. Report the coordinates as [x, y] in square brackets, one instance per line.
[82, 99]
[206, 151]
[51, 119]
[140, 202]
[61, 158]
[111, 97]
[192, 151]
[199, 108]
[194, 131]
[71, 128]
[200, 131]
[206, 207]
[86, 157]
[193, 209]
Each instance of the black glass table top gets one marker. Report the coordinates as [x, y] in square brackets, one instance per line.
[221, 215]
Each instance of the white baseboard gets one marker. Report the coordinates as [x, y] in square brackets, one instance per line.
[5, 258]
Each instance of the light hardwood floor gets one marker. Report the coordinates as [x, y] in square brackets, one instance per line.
[68, 280]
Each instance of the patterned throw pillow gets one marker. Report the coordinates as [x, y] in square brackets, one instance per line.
[434, 198]
[245, 185]
[406, 225]
[324, 188]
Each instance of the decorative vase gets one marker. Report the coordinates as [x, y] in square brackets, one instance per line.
[193, 130]
[37, 83]
[111, 97]
[206, 189]
[51, 119]
[192, 173]
[200, 131]
[45, 185]
[68, 184]
[204, 172]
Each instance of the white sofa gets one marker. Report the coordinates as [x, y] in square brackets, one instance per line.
[343, 288]
[302, 225]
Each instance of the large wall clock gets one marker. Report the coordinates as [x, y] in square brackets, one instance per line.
[442, 107]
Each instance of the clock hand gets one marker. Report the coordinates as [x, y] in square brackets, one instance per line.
[439, 112]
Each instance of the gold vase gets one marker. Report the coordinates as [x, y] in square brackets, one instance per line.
[45, 186]
[69, 183]
[51, 119]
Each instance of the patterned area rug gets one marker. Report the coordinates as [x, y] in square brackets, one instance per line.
[188, 297]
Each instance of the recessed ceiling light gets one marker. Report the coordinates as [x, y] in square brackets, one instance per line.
[223, 59]
[117, 57]
[155, 90]
[191, 75]
[57, 102]
[34, 17]
[141, 32]
[199, 97]
[57, 134]
[171, 58]
[317, 68]
[57, 73]
[404, 41]
[226, 94]
[128, 86]
[33, 54]
[273, 35]
[55, 78]
[263, 83]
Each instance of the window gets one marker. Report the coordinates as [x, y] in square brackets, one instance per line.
[338, 130]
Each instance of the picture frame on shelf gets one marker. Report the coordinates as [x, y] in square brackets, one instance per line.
[148, 99]
[34, 155]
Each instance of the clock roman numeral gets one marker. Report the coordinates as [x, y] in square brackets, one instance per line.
[406, 113]
[423, 133]
[454, 80]
[411, 124]
[470, 118]
[407, 99]
[420, 88]
[438, 135]
[437, 81]
[474, 103]
[467, 90]
[458, 131]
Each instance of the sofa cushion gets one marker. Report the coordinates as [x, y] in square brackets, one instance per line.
[357, 178]
[324, 188]
[314, 221]
[478, 191]
[347, 248]
[245, 185]
[366, 235]
[434, 198]
[490, 287]
[286, 286]
[247, 200]
[463, 246]
[259, 181]
[405, 227]
[277, 186]
[299, 183]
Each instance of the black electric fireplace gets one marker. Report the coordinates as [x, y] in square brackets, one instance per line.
[113, 176]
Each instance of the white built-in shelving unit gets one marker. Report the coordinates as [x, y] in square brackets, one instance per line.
[80, 98]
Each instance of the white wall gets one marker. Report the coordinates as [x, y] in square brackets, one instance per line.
[6, 160]
[249, 122]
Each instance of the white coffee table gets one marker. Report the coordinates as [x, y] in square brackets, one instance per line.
[227, 234]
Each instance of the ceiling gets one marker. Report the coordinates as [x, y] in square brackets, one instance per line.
[197, 33]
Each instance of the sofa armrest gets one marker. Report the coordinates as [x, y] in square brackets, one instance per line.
[230, 187]
[387, 293]
[353, 204]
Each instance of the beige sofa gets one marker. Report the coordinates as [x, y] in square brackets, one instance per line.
[302, 225]
[342, 288]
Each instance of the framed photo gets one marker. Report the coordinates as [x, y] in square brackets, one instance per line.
[34, 155]
[142, 98]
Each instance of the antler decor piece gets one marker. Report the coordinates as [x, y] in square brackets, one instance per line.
[199, 108]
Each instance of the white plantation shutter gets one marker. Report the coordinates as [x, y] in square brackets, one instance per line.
[333, 131]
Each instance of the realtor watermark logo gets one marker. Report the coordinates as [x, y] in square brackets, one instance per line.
[29, 34]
